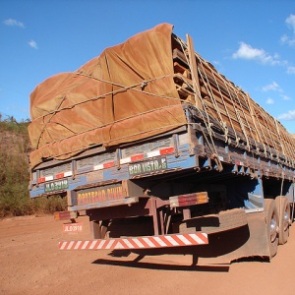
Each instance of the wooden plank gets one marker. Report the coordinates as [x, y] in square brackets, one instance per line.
[194, 72]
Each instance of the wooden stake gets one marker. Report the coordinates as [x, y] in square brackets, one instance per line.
[194, 72]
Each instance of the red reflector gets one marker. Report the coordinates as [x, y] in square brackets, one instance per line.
[59, 175]
[41, 179]
[137, 157]
[109, 164]
[167, 151]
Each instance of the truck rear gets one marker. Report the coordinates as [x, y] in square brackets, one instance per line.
[160, 150]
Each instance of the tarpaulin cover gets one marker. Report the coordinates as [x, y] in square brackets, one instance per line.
[125, 94]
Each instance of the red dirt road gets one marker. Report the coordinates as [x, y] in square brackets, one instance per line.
[32, 264]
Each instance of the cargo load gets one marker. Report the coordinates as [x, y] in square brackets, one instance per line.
[136, 90]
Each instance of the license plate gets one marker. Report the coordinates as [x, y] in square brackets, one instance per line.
[147, 166]
[56, 185]
[73, 227]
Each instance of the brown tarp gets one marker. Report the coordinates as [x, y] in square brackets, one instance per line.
[125, 94]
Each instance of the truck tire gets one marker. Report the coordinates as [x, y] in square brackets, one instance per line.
[283, 209]
[272, 221]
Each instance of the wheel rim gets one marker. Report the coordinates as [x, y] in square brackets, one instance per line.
[273, 229]
[286, 220]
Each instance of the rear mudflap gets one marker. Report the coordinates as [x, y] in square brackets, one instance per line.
[215, 223]
[247, 241]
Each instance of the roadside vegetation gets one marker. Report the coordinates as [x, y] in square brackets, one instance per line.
[14, 173]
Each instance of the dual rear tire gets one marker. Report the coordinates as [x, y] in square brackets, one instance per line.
[283, 209]
[277, 214]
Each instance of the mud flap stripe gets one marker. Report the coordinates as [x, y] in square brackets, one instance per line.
[101, 244]
[70, 245]
[84, 246]
[149, 243]
[138, 243]
[62, 246]
[165, 241]
[92, 245]
[200, 239]
[184, 240]
[77, 245]
[110, 244]
[172, 241]
[160, 242]
[128, 244]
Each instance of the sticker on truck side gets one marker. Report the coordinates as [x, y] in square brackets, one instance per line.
[100, 194]
[147, 166]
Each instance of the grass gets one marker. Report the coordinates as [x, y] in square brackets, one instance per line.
[14, 173]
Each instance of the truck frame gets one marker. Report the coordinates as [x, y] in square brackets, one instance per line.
[211, 182]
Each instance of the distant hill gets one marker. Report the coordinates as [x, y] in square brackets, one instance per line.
[14, 173]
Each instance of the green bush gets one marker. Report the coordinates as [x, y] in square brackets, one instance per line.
[49, 205]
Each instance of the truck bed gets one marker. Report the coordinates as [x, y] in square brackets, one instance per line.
[105, 177]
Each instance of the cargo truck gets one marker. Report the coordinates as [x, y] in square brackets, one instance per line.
[162, 153]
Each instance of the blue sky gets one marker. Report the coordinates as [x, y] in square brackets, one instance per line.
[251, 42]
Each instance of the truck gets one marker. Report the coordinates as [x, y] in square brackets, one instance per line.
[162, 154]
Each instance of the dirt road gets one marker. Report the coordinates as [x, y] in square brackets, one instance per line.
[32, 264]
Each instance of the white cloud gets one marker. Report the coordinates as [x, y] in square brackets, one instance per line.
[13, 23]
[274, 86]
[248, 52]
[289, 116]
[290, 21]
[270, 101]
[285, 97]
[33, 44]
[289, 39]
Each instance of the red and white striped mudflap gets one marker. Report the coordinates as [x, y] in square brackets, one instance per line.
[129, 243]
